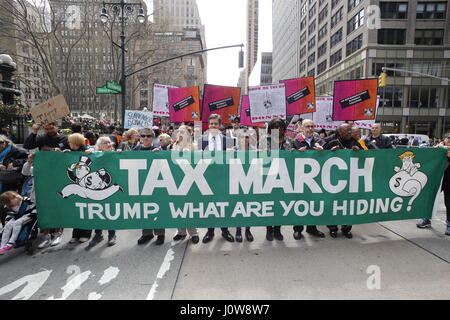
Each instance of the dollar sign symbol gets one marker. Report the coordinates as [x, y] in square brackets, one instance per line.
[397, 182]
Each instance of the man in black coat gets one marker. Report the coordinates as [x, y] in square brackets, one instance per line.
[377, 139]
[213, 140]
[51, 139]
[342, 140]
[307, 141]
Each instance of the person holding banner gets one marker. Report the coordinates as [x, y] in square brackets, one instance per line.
[426, 223]
[213, 140]
[307, 141]
[275, 140]
[377, 139]
[131, 140]
[146, 144]
[104, 144]
[184, 142]
[342, 140]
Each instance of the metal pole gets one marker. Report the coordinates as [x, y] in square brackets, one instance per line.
[123, 79]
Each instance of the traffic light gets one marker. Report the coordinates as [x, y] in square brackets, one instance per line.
[382, 80]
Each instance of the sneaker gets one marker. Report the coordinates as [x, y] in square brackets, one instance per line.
[56, 239]
[159, 240]
[73, 240]
[6, 248]
[424, 223]
[179, 237]
[95, 240]
[83, 240]
[195, 239]
[112, 241]
[45, 243]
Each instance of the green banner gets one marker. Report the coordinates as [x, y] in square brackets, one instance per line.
[139, 189]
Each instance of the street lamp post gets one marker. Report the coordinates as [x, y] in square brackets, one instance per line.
[125, 9]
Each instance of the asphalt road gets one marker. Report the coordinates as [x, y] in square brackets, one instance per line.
[392, 260]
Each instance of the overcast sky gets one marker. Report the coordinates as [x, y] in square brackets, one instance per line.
[225, 24]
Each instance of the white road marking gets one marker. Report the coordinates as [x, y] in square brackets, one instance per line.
[108, 275]
[73, 283]
[33, 283]
[165, 267]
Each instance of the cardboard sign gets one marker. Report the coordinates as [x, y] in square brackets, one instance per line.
[355, 99]
[184, 104]
[138, 119]
[300, 95]
[267, 102]
[161, 100]
[221, 100]
[51, 110]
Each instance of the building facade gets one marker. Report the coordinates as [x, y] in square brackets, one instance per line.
[347, 39]
[30, 77]
[266, 68]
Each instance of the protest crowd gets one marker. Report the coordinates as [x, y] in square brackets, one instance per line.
[17, 197]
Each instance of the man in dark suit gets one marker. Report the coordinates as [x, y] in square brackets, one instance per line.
[213, 140]
[307, 141]
[343, 140]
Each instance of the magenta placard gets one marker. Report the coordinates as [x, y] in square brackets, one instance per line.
[184, 104]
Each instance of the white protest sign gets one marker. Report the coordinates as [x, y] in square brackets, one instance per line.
[161, 100]
[138, 119]
[267, 102]
[51, 110]
[323, 117]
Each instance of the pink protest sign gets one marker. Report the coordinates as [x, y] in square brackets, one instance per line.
[220, 100]
[184, 104]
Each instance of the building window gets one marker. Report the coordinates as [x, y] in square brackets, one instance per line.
[302, 52]
[312, 11]
[394, 10]
[311, 73]
[312, 27]
[336, 38]
[429, 37]
[323, 13]
[322, 32]
[311, 43]
[336, 18]
[311, 59]
[354, 45]
[391, 36]
[353, 4]
[303, 37]
[431, 10]
[321, 67]
[391, 96]
[321, 51]
[377, 69]
[321, 2]
[303, 24]
[335, 57]
[334, 3]
[355, 22]
[423, 97]
[303, 66]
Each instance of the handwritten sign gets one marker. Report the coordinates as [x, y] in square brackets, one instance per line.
[138, 119]
[51, 110]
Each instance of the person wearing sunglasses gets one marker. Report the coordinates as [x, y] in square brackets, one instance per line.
[146, 144]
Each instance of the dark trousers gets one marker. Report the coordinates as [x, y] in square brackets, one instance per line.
[447, 202]
[274, 229]
[343, 228]
[111, 233]
[80, 233]
[211, 230]
[308, 228]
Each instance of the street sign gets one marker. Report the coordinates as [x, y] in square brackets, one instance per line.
[114, 86]
[104, 90]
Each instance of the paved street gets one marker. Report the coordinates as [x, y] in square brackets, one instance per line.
[412, 264]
